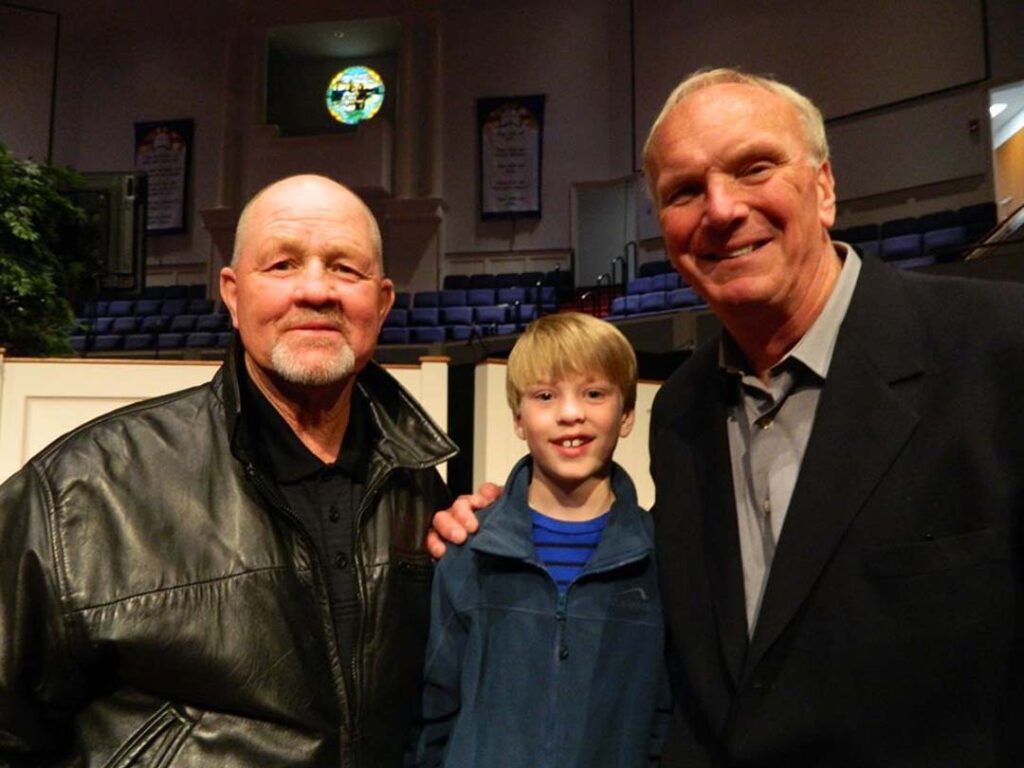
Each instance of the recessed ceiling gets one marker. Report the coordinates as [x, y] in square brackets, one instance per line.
[1013, 97]
[337, 39]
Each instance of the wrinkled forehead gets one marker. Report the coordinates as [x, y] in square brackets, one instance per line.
[321, 224]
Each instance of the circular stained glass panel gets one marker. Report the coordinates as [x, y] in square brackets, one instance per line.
[355, 94]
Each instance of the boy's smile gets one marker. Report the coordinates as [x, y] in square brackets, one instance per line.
[571, 428]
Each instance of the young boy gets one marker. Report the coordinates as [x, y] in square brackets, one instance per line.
[546, 637]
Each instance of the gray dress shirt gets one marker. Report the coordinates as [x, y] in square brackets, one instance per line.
[769, 426]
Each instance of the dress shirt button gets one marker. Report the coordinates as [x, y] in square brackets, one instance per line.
[563, 652]
[765, 422]
[341, 560]
[334, 515]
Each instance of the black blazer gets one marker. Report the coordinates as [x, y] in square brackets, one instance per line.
[892, 627]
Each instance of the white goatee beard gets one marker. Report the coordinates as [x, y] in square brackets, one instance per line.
[289, 364]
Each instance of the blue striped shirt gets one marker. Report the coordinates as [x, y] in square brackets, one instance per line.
[564, 547]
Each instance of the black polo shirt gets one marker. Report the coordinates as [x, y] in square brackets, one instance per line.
[325, 498]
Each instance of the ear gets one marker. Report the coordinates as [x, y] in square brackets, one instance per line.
[517, 425]
[387, 300]
[229, 293]
[826, 185]
[628, 420]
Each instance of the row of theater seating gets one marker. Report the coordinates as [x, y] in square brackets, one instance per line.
[556, 278]
[453, 314]
[917, 241]
[147, 306]
[651, 302]
[477, 297]
[110, 342]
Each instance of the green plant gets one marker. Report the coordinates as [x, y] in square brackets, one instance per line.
[45, 263]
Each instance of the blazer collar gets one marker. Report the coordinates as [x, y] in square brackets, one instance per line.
[866, 415]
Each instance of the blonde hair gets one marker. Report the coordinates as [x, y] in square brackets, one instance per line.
[554, 346]
[810, 115]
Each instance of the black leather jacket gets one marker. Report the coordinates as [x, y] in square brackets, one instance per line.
[159, 606]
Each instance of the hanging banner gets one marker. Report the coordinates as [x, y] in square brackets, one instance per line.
[511, 133]
[162, 150]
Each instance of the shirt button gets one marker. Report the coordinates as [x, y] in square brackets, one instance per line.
[334, 515]
[341, 560]
[563, 652]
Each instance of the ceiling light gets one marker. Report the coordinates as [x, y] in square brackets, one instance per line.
[996, 109]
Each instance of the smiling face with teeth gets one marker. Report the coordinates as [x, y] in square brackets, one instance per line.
[743, 204]
[571, 427]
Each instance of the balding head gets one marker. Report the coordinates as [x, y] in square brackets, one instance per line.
[329, 188]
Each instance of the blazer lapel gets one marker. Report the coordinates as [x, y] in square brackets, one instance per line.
[703, 430]
[864, 418]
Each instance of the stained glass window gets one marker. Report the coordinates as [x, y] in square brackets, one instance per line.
[355, 94]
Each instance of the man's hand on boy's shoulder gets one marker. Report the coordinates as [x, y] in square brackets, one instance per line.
[456, 523]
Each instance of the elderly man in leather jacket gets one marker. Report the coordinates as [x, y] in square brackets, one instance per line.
[234, 575]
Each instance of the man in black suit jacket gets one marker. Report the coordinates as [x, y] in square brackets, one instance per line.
[840, 479]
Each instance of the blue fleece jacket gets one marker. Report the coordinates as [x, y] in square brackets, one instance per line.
[519, 676]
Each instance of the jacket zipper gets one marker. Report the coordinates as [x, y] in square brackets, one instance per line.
[354, 700]
[327, 624]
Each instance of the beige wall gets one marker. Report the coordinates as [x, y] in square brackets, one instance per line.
[42, 399]
[1009, 161]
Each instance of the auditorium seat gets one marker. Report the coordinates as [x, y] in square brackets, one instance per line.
[124, 325]
[682, 297]
[452, 297]
[182, 324]
[138, 341]
[480, 297]
[456, 316]
[426, 335]
[170, 340]
[665, 281]
[155, 323]
[397, 318]
[456, 281]
[145, 307]
[490, 315]
[978, 219]
[509, 295]
[422, 299]
[907, 225]
[423, 316]
[653, 302]
[938, 220]
[639, 285]
[200, 339]
[481, 280]
[900, 247]
[174, 306]
[531, 279]
[199, 306]
[945, 242]
[107, 342]
[213, 322]
[120, 308]
[506, 279]
[458, 332]
[403, 300]
[394, 335]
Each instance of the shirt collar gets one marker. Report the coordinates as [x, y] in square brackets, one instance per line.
[818, 344]
[283, 454]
